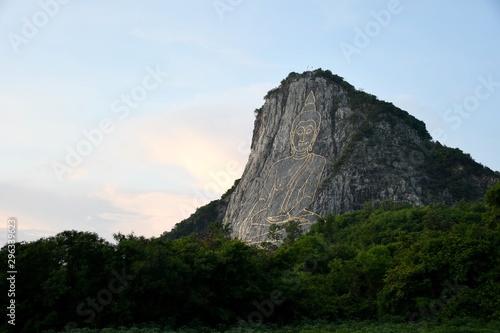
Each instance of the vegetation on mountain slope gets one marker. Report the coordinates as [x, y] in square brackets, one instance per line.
[394, 264]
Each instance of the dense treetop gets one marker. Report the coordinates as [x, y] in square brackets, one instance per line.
[398, 263]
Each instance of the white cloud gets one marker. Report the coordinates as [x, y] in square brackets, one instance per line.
[191, 142]
[147, 214]
[208, 138]
[148, 174]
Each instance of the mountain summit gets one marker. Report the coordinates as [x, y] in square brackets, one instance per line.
[320, 146]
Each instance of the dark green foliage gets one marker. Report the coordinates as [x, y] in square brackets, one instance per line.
[492, 198]
[465, 325]
[287, 233]
[394, 263]
[362, 102]
[198, 222]
[201, 219]
[371, 110]
[452, 169]
[54, 275]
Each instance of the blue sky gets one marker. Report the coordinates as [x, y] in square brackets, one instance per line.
[124, 116]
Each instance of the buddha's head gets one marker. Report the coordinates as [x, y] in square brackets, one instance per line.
[305, 127]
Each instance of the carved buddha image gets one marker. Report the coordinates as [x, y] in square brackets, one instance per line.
[291, 184]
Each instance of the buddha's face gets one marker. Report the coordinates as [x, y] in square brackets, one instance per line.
[304, 135]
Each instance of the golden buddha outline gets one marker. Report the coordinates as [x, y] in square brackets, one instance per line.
[292, 182]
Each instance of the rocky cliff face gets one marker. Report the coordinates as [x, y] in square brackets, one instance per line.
[319, 146]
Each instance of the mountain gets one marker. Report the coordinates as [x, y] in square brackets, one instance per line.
[320, 146]
[201, 219]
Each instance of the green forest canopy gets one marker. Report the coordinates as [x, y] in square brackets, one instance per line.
[397, 263]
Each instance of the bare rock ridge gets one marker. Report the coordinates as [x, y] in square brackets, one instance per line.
[320, 146]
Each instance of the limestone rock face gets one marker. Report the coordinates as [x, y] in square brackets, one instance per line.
[320, 146]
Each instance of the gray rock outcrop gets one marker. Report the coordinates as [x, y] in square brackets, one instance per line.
[320, 146]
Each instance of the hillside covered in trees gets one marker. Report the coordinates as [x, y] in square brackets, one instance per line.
[397, 263]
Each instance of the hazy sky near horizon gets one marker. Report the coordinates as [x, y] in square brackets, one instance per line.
[125, 116]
